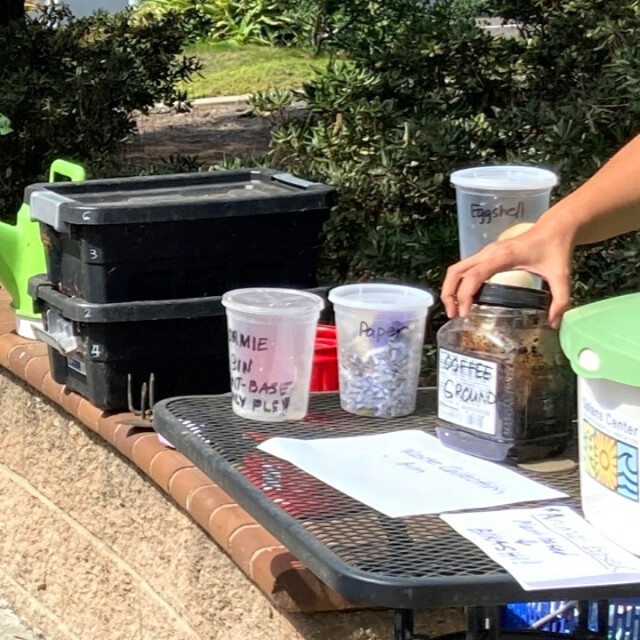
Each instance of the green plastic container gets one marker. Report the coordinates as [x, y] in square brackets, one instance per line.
[22, 253]
[602, 341]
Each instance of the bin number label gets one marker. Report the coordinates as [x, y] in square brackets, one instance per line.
[96, 350]
[93, 254]
[467, 391]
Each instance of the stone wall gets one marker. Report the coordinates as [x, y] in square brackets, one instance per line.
[91, 549]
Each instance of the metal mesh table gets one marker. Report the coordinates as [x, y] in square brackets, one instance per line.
[401, 563]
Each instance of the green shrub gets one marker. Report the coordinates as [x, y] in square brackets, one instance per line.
[343, 26]
[309, 24]
[239, 21]
[427, 95]
[69, 88]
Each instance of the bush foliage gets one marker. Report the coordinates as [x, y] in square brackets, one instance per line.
[239, 21]
[307, 24]
[429, 91]
[69, 89]
[426, 90]
[340, 26]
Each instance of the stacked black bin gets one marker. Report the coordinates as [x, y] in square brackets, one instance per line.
[137, 268]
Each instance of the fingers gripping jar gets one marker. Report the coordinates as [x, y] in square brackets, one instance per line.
[505, 389]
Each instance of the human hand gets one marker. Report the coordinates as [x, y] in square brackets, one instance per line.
[544, 250]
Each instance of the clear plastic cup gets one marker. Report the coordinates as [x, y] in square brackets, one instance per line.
[491, 199]
[271, 334]
[380, 330]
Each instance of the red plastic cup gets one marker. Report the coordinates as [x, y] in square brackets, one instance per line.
[324, 371]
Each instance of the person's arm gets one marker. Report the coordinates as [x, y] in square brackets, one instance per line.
[606, 205]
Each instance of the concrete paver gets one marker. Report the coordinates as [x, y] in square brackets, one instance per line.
[13, 628]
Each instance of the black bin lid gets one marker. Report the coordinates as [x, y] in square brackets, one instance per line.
[177, 197]
[79, 310]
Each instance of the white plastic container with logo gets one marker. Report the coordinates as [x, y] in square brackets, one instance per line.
[602, 341]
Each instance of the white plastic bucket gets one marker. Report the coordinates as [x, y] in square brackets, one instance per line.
[602, 342]
[493, 198]
[609, 442]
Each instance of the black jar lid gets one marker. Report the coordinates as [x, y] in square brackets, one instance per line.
[505, 295]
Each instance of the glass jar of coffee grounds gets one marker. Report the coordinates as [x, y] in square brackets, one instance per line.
[505, 389]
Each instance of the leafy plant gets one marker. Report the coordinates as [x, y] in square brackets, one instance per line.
[246, 20]
[274, 104]
[5, 125]
[70, 91]
[430, 91]
[234, 162]
[335, 25]
[176, 163]
[238, 21]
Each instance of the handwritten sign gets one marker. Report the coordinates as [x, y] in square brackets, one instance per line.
[467, 390]
[253, 391]
[406, 473]
[382, 331]
[547, 547]
[486, 215]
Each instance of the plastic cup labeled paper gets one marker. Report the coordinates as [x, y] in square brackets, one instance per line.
[271, 334]
[493, 198]
[380, 330]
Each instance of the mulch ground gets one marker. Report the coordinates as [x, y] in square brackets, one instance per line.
[210, 133]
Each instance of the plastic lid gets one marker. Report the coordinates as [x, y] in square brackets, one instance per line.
[602, 339]
[381, 296]
[504, 178]
[268, 301]
[176, 198]
[505, 295]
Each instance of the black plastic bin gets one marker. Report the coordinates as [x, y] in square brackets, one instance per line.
[180, 236]
[98, 350]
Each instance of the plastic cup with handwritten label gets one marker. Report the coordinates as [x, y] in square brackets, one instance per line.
[271, 334]
[493, 198]
[380, 330]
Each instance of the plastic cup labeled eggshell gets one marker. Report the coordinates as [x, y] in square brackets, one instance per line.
[271, 335]
[380, 331]
[492, 199]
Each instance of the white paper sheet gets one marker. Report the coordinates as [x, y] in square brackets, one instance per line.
[407, 473]
[547, 547]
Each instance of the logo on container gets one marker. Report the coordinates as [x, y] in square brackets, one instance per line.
[610, 462]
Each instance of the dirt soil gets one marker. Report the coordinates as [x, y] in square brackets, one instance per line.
[208, 132]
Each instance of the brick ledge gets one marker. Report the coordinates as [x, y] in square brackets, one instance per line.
[286, 582]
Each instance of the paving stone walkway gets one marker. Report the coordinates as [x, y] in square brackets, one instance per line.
[13, 628]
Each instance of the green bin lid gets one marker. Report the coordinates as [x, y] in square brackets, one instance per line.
[602, 339]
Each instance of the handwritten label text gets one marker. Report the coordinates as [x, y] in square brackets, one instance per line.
[487, 215]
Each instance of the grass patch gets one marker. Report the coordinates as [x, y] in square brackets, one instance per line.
[231, 69]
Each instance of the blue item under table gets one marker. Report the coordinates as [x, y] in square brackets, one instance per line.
[557, 616]
[399, 563]
[562, 617]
